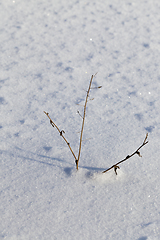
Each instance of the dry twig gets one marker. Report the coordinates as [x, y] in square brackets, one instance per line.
[61, 134]
[115, 166]
[83, 117]
[84, 114]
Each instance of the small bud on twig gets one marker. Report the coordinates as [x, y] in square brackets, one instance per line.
[61, 132]
[115, 169]
[51, 123]
[79, 114]
[138, 154]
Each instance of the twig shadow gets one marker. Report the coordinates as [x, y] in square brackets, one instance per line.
[68, 171]
[142, 238]
[92, 168]
[90, 175]
[50, 159]
[92, 171]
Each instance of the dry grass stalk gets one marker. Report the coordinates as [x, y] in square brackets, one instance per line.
[61, 134]
[115, 166]
[83, 117]
[84, 114]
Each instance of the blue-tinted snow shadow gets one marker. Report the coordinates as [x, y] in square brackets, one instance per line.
[146, 224]
[149, 129]
[2, 100]
[92, 168]
[35, 160]
[39, 156]
[92, 171]
[142, 238]
[68, 170]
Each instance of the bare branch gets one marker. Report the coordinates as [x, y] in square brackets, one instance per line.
[86, 139]
[79, 114]
[61, 134]
[84, 114]
[115, 166]
[91, 99]
[145, 138]
[96, 87]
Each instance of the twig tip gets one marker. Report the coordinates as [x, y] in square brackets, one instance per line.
[46, 113]
[145, 139]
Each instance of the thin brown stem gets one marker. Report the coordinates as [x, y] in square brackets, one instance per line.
[84, 114]
[61, 134]
[115, 166]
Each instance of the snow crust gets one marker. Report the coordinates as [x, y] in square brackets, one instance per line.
[49, 50]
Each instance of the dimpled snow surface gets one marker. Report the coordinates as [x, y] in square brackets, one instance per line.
[49, 49]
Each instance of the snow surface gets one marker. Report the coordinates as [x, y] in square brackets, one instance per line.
[49, 50]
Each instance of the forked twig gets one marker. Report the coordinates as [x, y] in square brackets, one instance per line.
[83, 117]
[115, 166]
[61, 134]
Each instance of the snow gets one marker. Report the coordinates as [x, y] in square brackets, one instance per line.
[49, 50]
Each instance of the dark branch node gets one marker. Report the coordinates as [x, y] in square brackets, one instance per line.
[51, 123]
[61, 132]
[127, 157]
[138, 154]
[115, 169]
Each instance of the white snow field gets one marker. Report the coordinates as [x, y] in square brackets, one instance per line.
[49, 50]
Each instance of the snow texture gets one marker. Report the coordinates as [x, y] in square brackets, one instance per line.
[49, 50]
